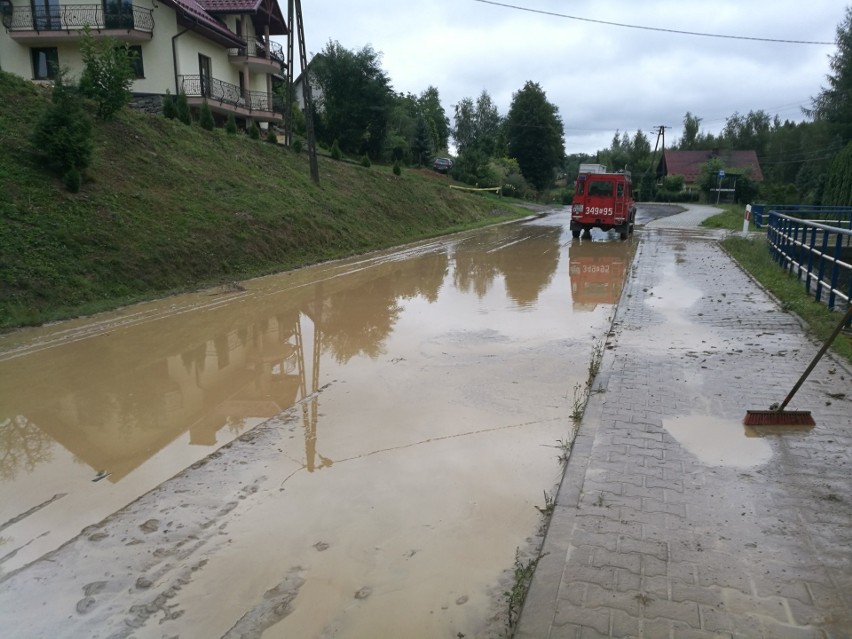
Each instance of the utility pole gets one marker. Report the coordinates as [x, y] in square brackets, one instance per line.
[288, 113]
[295, 8]
[661, 134]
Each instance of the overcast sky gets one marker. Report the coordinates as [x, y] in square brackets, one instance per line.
[600, 77]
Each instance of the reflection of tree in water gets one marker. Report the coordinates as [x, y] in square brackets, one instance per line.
[475, 271]
[358, 321]
[23, 446]
[422, 277]
[529, 266]
[528, 257]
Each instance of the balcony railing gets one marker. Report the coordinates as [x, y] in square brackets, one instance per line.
[214, 90]
[258, 49]
[75, 17]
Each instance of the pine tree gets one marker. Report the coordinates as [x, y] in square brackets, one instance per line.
[833, 103]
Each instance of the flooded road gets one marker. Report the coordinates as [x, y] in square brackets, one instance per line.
[355, 449]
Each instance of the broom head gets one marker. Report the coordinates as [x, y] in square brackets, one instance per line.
[778, 418]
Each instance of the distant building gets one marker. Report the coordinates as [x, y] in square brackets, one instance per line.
[689, 163]
[316, 90]
[218, 50]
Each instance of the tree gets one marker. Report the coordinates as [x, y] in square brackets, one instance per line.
[429, 106]
[421, 145]
[750, 132]
[477, 126]
[355, 100]
[534, 134]
[617, 156]
[838, 185]
[691, 129]
[107, 73]
[205, 117]
[833, 104]
[64, 132]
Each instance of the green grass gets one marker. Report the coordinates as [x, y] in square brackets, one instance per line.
[166, 208]
[753, 255]
[731, 219]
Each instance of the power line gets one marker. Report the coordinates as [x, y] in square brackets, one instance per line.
[644, 28]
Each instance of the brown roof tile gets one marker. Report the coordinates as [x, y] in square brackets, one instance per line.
[192, 11]
[688, 163]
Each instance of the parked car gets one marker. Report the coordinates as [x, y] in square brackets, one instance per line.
[443, 165]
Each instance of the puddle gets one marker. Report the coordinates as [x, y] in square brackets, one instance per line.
[673, 294]
[718, 442]
[428, 385]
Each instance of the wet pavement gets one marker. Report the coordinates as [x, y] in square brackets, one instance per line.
[355, 449]
[675, 520]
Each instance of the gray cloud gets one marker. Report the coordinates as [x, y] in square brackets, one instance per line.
[602, 78]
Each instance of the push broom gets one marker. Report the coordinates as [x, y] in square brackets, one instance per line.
[780, 417]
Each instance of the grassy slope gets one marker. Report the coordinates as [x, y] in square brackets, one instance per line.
[752, 254]
[167, 207]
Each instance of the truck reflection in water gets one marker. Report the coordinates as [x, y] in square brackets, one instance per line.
[597, 271]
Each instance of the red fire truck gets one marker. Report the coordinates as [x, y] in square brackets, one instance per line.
[603, 200]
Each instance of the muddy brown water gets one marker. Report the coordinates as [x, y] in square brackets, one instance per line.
[397, 416]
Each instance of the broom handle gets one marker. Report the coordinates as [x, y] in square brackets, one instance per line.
[819, 355]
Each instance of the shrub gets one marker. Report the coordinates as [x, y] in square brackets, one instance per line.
[205, 117]
[396, 168]
[73, 180]
[64, 131]
[182, 108]
[270, 136]
[297, 146]
[365, 161]
[254, 131]
[514, 185]
[169, 106]
[335, 151]
[231, 125]
[298, 121]
[107, 73]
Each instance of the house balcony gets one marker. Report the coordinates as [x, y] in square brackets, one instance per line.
[62, 23]
[259, 57]
[225, 98]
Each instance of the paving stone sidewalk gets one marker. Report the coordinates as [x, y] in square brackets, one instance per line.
[672, 520]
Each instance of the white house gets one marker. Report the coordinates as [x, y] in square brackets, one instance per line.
[218, 50]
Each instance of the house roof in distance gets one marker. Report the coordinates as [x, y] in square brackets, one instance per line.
[688, 163]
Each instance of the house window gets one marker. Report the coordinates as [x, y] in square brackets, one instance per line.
[118, 14]
[135, 53]
[46, 15]
[204, 74]
[45, 63]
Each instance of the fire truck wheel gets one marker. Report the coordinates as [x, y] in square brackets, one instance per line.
[575, 233]
[623, 231]
[587, 234]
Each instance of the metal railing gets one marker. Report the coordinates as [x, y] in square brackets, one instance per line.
[75, 17]
[818, 254]
[258, 49]
[225, 93]
[833, 215]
